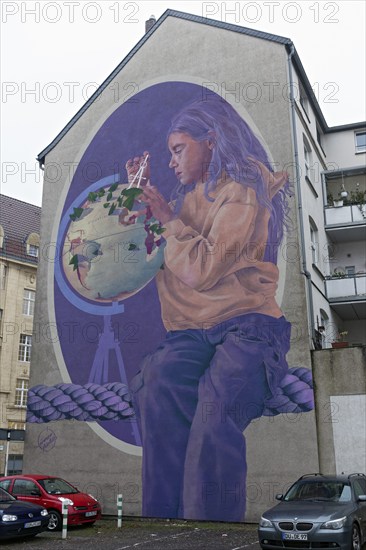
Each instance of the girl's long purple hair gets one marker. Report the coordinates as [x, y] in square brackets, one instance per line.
[216, 120]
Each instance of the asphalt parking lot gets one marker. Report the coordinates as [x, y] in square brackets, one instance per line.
[143, 534]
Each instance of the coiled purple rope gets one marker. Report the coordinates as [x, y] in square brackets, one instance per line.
[113, 401]
[294, 394]
[90, 402]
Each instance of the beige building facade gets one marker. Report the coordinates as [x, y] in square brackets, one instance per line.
[19, 251]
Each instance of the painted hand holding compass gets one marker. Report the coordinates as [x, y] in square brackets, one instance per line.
[113, 246]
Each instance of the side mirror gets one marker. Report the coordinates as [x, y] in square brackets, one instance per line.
[279, 496]
[361, 498]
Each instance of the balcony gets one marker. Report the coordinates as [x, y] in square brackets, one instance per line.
[347, 296]
[346, 223]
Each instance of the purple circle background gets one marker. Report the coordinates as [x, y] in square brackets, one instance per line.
[140, 124]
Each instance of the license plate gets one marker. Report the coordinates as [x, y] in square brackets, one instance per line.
[90, 514]
[294, 536]
[32, 524]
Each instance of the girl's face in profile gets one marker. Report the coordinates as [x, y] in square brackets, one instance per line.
[190, 158]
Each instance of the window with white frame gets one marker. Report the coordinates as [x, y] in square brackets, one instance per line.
[303, 98]
[25, 347]
[21, 392]
[318, 135]
[314, 242]
[324, 324]
[28, 302]
[307, 158]
[33, 245]
[3, 273]
[360, 141]
[33, 250]
[15, 465]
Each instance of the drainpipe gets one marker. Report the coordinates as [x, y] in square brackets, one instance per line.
[304, 271]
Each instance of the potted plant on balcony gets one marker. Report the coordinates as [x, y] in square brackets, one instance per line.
[340, 341]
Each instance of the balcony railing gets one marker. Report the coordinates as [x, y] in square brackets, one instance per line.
[352, 213]
[346, 287]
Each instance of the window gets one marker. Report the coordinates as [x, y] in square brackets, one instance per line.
[25, 346]
[303, 98]
[21, 392]
[13, 425]
[323, 328]
[314, 242]
[5, 484]
[1, 236]
[362, 486]
[318, 136]
[360, 139]
[25, 487]
[350, 270]
[3, 272]
[33, 245]
[28, 302]
[15, 465]
[307, 158]
[33, 250]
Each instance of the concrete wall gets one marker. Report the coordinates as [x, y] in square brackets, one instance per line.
[340, 394]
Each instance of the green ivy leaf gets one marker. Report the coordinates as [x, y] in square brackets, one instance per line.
[106, 204]
[92, 197]
[132, 246]
[76, 214]
[74, 262]
[157, 229]
[133, 191]
[109, 196]
[154, 227]
[112, 209]
[131, 195]
[101, 192]
[113, 187]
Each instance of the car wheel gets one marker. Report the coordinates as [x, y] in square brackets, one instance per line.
[54, 523]
[356, 538]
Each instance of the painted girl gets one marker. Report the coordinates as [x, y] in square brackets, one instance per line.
[226, 343]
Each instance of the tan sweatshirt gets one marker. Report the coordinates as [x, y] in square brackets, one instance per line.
[213, 259]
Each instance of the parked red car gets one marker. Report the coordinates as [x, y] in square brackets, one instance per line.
[50, 492]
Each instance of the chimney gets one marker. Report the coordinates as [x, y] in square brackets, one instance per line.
[150, 23]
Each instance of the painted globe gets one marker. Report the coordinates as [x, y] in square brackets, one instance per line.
[112, 246]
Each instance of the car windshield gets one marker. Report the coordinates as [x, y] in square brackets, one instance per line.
[335, 491]
[56, 486]
[5, 496]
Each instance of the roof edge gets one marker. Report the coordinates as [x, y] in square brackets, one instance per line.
[287, 42]
[352, 126]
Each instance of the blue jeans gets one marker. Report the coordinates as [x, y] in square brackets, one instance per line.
[194, 397]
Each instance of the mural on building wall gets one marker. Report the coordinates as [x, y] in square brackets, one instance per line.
[165, 297]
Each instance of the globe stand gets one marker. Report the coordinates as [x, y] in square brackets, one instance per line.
[100, 368]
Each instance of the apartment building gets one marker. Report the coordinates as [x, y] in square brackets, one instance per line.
[331, 195]
[103, 335]
[19, 253]
[344, 199]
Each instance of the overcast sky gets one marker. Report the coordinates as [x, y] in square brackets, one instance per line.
[55, 53]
